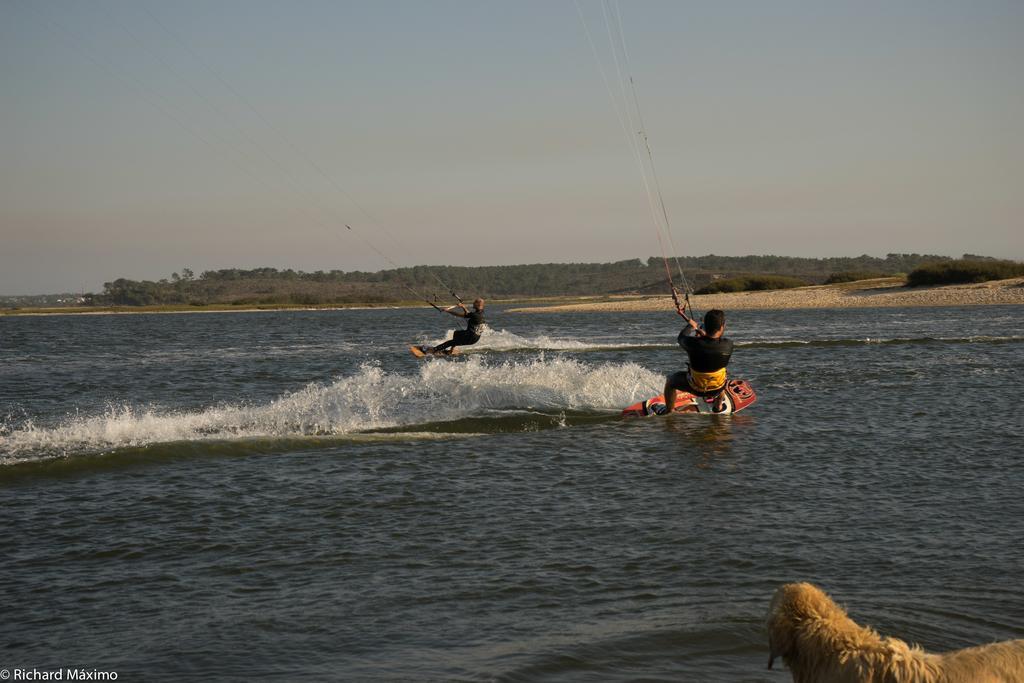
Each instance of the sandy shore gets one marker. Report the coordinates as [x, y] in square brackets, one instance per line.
[862, 294]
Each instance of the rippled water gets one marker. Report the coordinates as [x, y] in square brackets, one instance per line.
[292, 494]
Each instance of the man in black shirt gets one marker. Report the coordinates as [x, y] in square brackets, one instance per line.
[709, 353]
[468, 336]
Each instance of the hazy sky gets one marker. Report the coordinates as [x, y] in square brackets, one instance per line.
[139, 137]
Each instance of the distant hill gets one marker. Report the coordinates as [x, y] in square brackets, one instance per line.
[234, 286]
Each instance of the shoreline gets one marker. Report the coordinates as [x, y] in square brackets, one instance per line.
[878, 293]
[226, 308]
[158, 310]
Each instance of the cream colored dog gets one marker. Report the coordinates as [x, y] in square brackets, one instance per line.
[821, 644]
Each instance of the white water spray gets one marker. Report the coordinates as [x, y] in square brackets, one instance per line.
[369, 399]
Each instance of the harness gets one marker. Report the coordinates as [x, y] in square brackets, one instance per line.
[706, 382]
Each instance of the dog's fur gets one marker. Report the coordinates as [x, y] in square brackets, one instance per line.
[821, 644]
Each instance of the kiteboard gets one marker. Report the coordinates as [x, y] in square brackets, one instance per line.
[426, 352]
[738, 395]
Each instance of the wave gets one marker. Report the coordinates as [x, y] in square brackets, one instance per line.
[503, 341]
[868, 341]
[495, 341]
[369, 400]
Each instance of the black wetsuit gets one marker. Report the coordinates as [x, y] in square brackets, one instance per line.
[706, 356]
[466, 337]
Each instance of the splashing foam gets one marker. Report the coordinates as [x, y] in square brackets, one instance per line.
[369, 399]
[502, 340]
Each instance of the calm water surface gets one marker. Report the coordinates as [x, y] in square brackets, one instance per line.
[292, 495]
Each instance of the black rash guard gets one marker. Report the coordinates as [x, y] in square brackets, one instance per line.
[476, 322]
[706, 355]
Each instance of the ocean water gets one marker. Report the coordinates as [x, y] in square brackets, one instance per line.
[291, 495]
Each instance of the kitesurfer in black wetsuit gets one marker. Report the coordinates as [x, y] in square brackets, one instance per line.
[709, 353]
[468, 336]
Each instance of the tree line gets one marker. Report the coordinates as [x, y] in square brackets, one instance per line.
[272, 285]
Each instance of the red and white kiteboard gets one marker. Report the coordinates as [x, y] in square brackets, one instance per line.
[738, 395]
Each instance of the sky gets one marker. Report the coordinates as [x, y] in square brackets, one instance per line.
[138, 138]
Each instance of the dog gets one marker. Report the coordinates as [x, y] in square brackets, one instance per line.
[821, 644]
